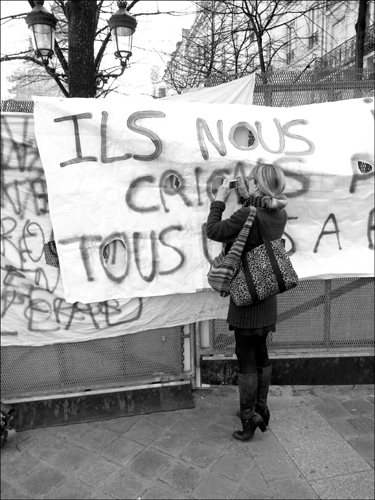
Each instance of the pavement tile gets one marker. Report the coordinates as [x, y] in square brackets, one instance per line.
[233, 466]
[317, 449]
[293, 487]
[126, 485]
[71, 458]
[190, 425]
[213, 486]
[165, 418]
[47, 447]
[263, 443]
[121, 451]
[207, 413]
[227, 392]
[71, 489]
[191, 454]
[150, 463]
[351, 486]
[27, 439]
[285, 397]
[365, 446]
[199, 454]
[343, 427]
[230, 407]
[182, 477]
[144, 432]
[96, 439]
[209, 396]
[228, 419]
[216, 435]
[242, 449]
[244, 494]
[332, 409]
[362, 425]
[42, 481]
[18, 465]
[254, 481]
[71, 432]
[276, 466]
[118, 425]
[172, 443]
[8, 491]
[97, 473]
[35, 434]
[359, 406]
[100, 495]
[161, 491]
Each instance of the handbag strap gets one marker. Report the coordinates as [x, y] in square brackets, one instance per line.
[249, 279]
[238, 245]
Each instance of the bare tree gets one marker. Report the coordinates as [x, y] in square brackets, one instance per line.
[211, 47]
[237, 38]
[360, 27]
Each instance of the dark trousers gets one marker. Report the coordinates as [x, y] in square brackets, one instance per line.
[251, 352]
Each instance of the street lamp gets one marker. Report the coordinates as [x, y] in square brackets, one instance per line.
[42, 25]
[122, 26]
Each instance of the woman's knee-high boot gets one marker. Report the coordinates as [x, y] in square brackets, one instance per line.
[264, 380]
[248, 389]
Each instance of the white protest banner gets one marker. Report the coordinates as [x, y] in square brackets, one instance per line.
[109, 166]
[33, 310]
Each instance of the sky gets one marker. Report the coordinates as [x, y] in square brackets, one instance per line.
[154, 35]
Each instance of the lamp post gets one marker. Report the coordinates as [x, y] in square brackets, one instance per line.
[42, 25]
[122, 26]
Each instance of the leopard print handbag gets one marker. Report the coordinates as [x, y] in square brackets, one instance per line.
[265, 271]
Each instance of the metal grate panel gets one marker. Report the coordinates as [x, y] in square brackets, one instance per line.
[284, 88]
[326, 314]
[149, 356]
[352, 312]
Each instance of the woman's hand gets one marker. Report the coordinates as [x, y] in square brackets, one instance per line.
[242, 187]
[223, 191]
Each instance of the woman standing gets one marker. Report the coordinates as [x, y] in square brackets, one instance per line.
[251, 324]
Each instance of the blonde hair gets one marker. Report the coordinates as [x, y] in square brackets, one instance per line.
[271, 182]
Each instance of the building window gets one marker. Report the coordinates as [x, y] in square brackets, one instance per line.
[313, 28]
[313, 39]
[338, 33]
[289, 45]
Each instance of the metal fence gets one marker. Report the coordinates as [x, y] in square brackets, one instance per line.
[298, 87]
[327, 317]
[320, 316]
[13, 106]
[152, 356]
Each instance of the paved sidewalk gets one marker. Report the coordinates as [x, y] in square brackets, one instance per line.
[320, 444]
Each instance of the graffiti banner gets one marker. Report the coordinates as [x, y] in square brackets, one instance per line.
[151, 232]
[139, 174]
[33, 310]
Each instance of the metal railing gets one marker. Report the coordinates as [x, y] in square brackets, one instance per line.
[154, 356]
[344, 54]
[326, 317]
[320, 317]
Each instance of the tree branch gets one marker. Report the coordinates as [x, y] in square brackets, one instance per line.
[101, 51]
[24, 58]
[61, 58]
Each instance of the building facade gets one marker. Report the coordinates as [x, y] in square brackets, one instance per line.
[224, 43]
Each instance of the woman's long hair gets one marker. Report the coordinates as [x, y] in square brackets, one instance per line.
[271, 182]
